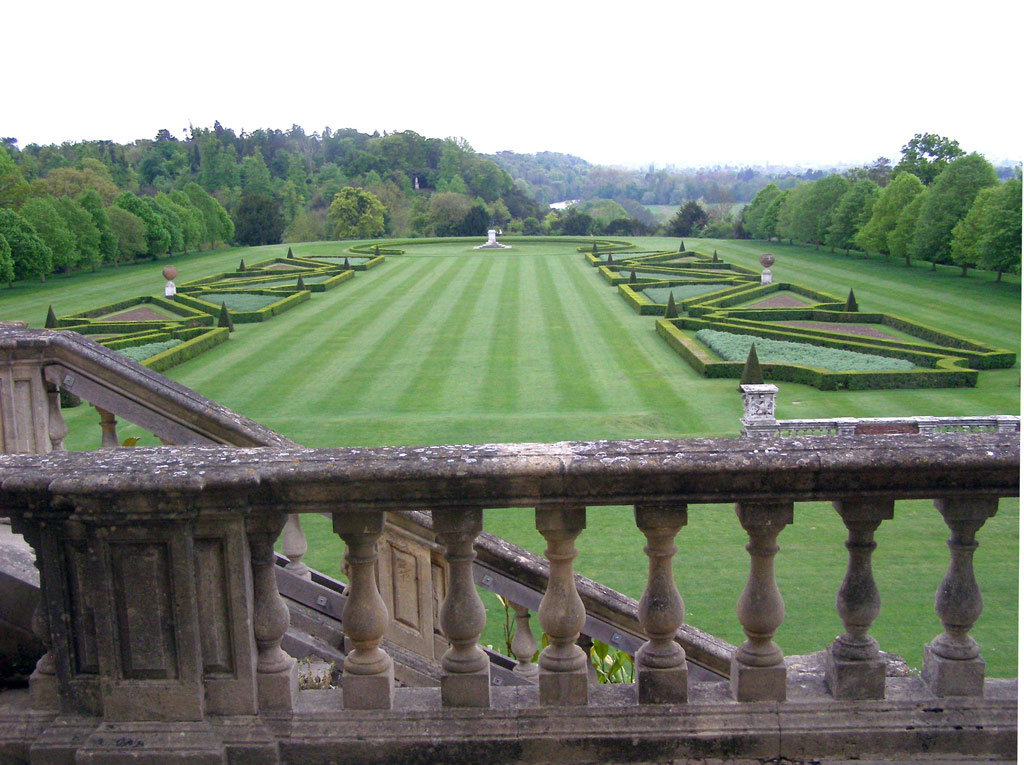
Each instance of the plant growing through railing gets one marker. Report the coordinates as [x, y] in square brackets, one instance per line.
[612, 665]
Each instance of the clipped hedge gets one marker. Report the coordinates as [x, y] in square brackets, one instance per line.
[949, 375]
[188, 349]
[289, 299]
[734, 347]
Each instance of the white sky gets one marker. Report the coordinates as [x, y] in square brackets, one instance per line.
[635, 82]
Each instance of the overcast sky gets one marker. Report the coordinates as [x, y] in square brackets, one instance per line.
[615, 83]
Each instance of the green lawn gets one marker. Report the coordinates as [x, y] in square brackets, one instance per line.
[450, 345]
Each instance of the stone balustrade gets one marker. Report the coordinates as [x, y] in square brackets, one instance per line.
[163, 622]
[759, 420]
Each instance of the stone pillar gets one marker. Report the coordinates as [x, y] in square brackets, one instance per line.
[853, 667]
[24, 407]
[277, 675]
[759, 410]
[758, 672]
[368, 677]
[563, 665]
[465, 668]
[952, 663]
[43, 689]
[661, 661]
[524, 645]
[293, 546]
[108, 429]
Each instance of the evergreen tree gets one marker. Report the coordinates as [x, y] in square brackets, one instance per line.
[851, 303]
[51, 319]
[224, 319]
[289, 255]
[632, 276]
[751, 374]
[671, 312]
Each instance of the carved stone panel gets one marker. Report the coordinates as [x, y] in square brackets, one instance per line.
[148, 636]
[224, 598]
[405, 584]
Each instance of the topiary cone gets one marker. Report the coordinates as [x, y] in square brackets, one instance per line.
[714, 258]
[290, 253]
[610, 260]
[376, 249]
[593, 248]
[224, 320]
[671, 312]
[851, 303]
[682, 246]
[632, 276]
[51, 319]
[347, 266]
[241, 265]
[300, 284]
[751, 369]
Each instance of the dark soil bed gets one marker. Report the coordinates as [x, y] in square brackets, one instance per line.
[138, 314]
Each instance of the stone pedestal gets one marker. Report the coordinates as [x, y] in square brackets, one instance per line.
[953, 677]
[661, 686]
[847, 679]
[369, 691]
[750, 683]
[562, 689]
[467, 689]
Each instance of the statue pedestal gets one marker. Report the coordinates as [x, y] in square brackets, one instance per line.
[492, 242]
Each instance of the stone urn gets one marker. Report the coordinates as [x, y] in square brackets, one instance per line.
[767, 260]
[170, 272]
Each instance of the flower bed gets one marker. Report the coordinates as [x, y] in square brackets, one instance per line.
[732, 347]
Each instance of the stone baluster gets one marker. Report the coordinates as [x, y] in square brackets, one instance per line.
[108, 429]
[563, 665]
[57, 429]
[465, 669]
[293, 545]
[524, 644]
[952, 663]
[758, 672]
[853, 667]
[277, 683]
[368, 674]
[661, 661]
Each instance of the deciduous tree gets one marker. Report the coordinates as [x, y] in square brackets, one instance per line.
[927, 154]
[31, 256]
[947, 200]
[873, 236]
[258, 221]
[356, 214]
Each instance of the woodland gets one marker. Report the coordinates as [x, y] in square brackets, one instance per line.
[87, 204]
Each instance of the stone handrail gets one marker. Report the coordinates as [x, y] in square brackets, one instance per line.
[161, 613]
[34, 364]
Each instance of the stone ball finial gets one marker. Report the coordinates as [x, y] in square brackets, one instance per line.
[767, 260]
[170, 272]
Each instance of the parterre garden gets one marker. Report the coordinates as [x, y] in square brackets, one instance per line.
[441, 344]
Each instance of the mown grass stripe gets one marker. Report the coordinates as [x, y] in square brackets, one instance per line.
[501, 368]
[430, 385]
[573, 366]
[371, 384]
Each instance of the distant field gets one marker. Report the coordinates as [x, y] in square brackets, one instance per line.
[450, 345]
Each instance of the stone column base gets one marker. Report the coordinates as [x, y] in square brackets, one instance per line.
[152, 742]
[952, 677]
[757, 683]
[563, 689]
[42, 691]
[661, 686]
[369, 691]
[854, 679]
[470, 689]
[278, 690]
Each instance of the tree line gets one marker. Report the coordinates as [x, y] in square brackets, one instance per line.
[939, 204]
